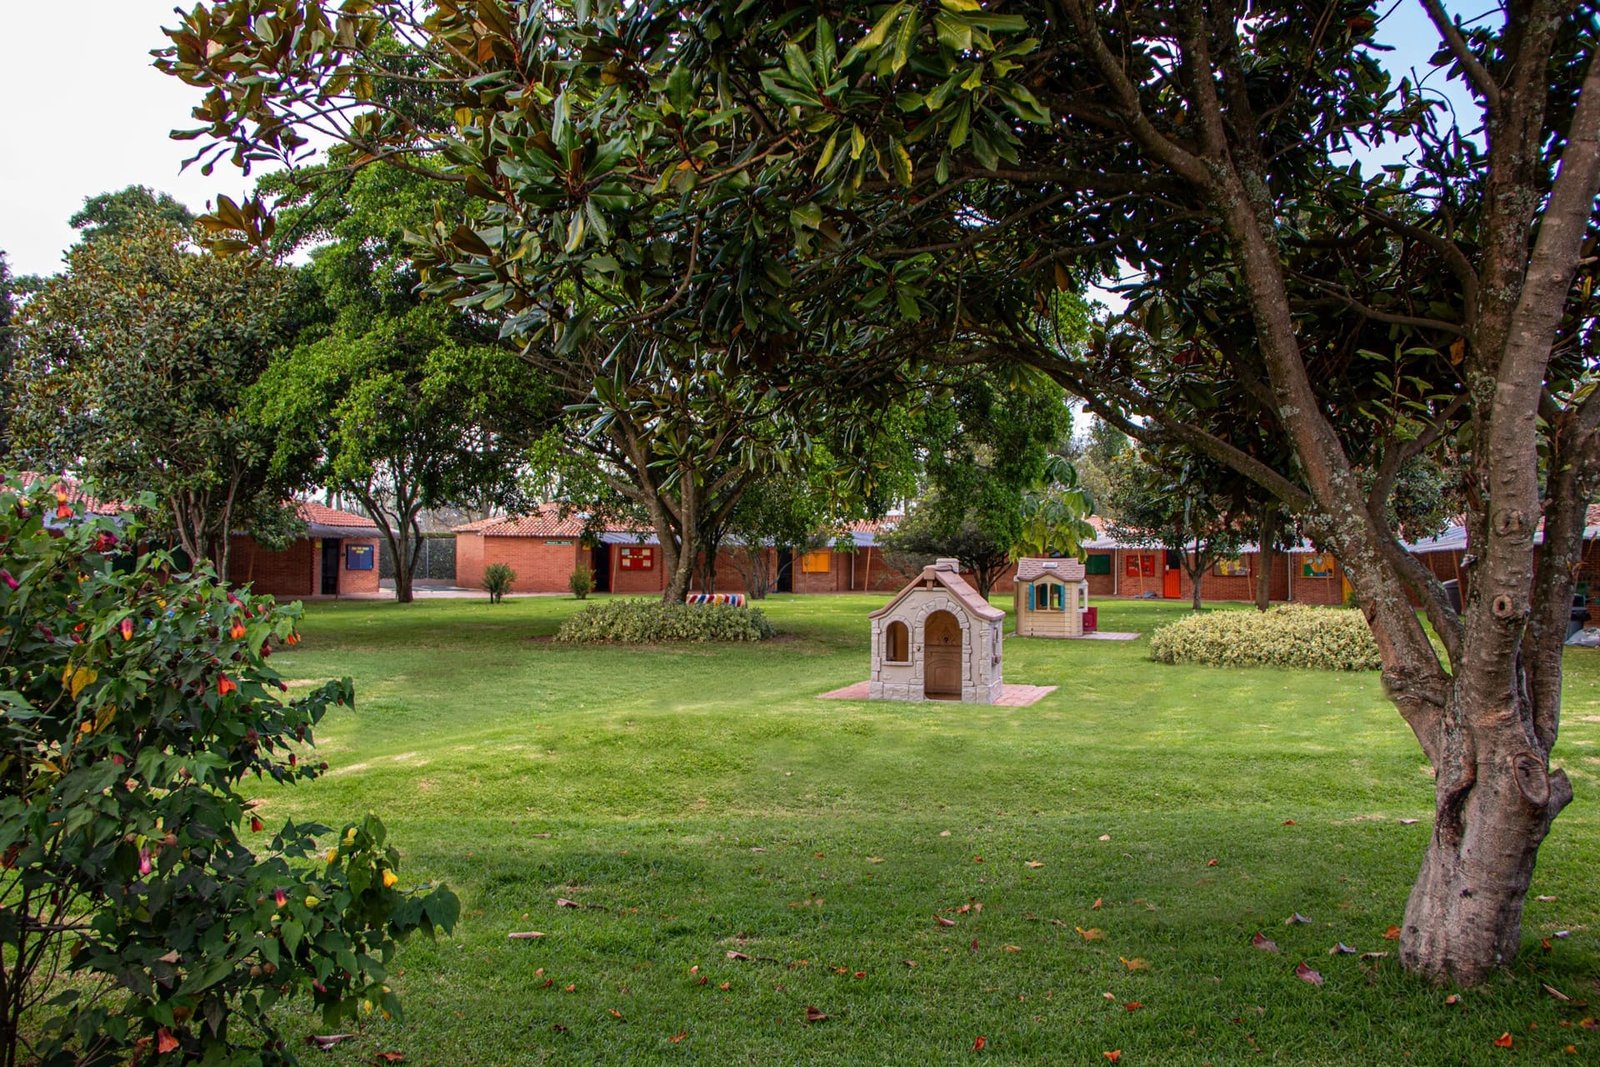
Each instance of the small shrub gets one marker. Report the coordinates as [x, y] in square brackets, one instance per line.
[497, 579]
[1290, 635]
[581, 582]
[652, 621]
[145, 913]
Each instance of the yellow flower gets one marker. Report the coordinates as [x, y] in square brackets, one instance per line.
[331, 855]
[389, 879]
[311, 901]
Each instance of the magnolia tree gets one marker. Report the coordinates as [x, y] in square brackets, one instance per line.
[839, 193]
[145, 912]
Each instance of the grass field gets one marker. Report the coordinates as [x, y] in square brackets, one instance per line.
[700, 801]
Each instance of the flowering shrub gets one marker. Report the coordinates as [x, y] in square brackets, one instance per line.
[136, 921]
[650, 621]
[1290, 635]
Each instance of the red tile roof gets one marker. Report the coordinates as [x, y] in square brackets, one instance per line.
[547, 521]
[75, 493]
[314, 514]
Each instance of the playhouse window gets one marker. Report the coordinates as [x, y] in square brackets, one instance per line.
[896, 642]
[1058, 597]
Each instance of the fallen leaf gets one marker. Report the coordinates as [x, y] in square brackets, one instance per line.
[679, 1036]
[1589, 1024]
[977, 859]
[1554, 992]
[1544, 943]
[1408, 822]
[1132, 1005]
[1094, 933]
[1263, 942]
[732, 955]
[1374, 955]
[525, 935]
[1105, 837]
[1545, 899]
[980, 1043]
[390, 1057]
[725, 986]
[1013, 948]
[974, 945]
[1341, 949]
[1034, 865]
[942, 921]
[615, 1014]
[1307, 974]
[1135, 964]
[573, 988]
[1453, 998]
[1211, 863]
[860, 974]
[1289, 822]
[327, 1041]
[1097, 905]
[1563, 934]
[1503, 1041]
[942, 833]
[841, 970]
[558, 1028]
[757, 848]
[1571, 1050]
[909, 963]
[1297, 920]
[563, 902]
[874, 859]
[695, 969]
[1110, 996]
[1392, 934]
[1114, 1055]
[963, 909]
[813, 1015]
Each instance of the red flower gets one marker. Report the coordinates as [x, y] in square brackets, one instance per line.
[105, 542]
[127, 629]
[226, 685]
[144, 861]
[255, 824]
[292, 639]
[11, 583]
[238, 630]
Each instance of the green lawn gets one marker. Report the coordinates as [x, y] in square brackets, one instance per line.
[698, 801]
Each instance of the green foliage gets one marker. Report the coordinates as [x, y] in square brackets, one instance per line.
[8, 349]
[135, 372]
[138, 921]
[120, 213]
[640, 622]
[1055, 516]
[581, 582]
[497, 579]
[1289, 635]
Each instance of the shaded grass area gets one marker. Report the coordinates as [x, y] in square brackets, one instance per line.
[698, 801]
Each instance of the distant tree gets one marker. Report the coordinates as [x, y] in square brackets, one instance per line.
[8, 350]
[1055, 515]
[1175, 501]
[1092, 456]
[134, 369]
[934, 527]
[116, 214]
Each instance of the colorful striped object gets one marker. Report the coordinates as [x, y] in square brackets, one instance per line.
[735, 599]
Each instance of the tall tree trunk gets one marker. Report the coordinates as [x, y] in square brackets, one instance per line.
[1265, 536]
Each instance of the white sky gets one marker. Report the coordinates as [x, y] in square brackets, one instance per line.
[91, 115]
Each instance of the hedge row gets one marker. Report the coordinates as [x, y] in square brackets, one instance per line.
[652, 621]
[1290, 635]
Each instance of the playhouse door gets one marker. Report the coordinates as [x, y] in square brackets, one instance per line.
[941, 650]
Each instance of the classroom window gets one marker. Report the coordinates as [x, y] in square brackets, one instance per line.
[819, 561]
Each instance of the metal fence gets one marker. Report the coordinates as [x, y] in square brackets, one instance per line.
[436, 561]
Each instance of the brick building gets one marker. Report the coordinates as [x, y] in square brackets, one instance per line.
[338, 556]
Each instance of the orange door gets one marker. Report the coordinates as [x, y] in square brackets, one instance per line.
[1172, 578]
[941, 651]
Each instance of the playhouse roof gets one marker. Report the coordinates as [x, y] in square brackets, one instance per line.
[1031, 570]
[946, 574]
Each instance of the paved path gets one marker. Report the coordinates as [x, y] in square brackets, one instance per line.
[1011, 696]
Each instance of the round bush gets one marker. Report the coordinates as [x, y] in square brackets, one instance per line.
[652, 621]
[1290, 635]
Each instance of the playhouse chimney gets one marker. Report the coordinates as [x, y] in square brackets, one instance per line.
[947, 565]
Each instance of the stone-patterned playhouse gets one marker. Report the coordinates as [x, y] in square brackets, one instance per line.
[1052, 597]
[937, 640]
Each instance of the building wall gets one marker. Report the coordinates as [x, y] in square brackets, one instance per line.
[357, 583]
[282, 574]
[469, 560]
[653, 580]
[542, 564]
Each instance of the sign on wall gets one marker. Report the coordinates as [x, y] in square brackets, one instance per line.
[358, 557]
[637, 557]
[1319, 566]
[1233, 568]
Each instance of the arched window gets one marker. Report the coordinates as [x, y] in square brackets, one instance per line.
[896, 644]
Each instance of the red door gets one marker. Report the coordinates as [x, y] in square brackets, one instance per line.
[1172, 577]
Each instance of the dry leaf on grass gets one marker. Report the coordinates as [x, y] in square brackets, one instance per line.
[1094, 933]
[525, 935]
[679, 1036]
[1341, 949]
[1263, 942]
[732, 955]
[615, 1014]
[1097, 905]
[1297, 920]
[1504, 1040]
[813, 1015]
[980, 1044]
[1105, 837]
[1114, 1055]
[327, 1041]
[1012, 948]
[1135, 964]
[1392, 934]
[1453, 998]
[942, 921]
[1307, 974]
[1554, 992]
[1132, 1005]
[1034, 865]
[390, 1057]
[563, 902]
[1545, 899]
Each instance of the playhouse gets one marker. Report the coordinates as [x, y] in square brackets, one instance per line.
[1052, 598]
[937, 639]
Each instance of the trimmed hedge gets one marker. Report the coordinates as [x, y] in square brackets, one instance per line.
[1290, 635]
[638, 622]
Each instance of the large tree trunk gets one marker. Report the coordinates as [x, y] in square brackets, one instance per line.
[1264, 539]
